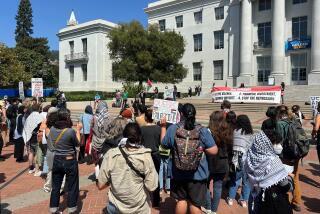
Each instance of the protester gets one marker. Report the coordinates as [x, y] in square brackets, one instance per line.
[271, 122]
[188, 187]
[226, 106]
[316, 130]
[2, 128]
[242, 141]
[222, 134]
[269, 181]
[64, 140]
[30, 132]
[18, 139]
[282, 85]
[156, 93]
[282, 128]
[190, 91]
[100, 124]
[175, 92]
[125, 95]
[297, 113]
[130, 173]
[11, 114]
[151, 139]
[142, 96]
[140, 111]
[85, 120]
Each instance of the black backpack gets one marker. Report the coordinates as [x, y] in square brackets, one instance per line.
[296, 144]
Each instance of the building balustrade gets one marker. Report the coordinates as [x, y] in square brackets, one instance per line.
[81, 56]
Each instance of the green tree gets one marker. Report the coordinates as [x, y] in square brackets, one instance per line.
[11, 69]
[24, 21]
[140, 54]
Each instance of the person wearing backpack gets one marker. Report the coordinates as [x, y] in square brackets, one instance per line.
[189, 143]
[284, 124]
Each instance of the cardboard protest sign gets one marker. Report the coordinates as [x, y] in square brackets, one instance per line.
[37, 87]
[314, 104]
[165, 108]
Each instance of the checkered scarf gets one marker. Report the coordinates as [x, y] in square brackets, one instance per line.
[102, 113]
[263, 166]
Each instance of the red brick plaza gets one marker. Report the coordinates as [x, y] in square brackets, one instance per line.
[21, 192]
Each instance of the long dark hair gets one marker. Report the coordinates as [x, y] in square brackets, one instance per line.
[220, 129]
[231, 119]
[243, 123]
[189, 114]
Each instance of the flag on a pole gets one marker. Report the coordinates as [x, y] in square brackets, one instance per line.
[149, 84]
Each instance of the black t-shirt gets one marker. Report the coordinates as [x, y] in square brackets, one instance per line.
[151, 137]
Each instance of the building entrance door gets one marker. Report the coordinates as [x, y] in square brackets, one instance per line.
[299, 69]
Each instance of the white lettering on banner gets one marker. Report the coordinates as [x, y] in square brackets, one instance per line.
[314, 100]
[268, 94]
[37, 87]
[166, 108]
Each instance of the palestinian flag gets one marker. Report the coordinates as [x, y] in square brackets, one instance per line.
[149, 84]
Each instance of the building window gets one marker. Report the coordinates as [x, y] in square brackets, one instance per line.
[264, 34]
[198, 17]
[197, 71]
[84, 45]
[219, 39]
[264, 5]
[179, 21]
[219, 11]
[197, 39]
[162, 25]
[84, 72]
[299, 67]
[299, 1]
[299, 27]
[71, 44]
[264, 69]
[218, 70]
[71, 70]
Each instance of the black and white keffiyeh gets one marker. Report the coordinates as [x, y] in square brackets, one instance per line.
[102, 113]
[262, 164]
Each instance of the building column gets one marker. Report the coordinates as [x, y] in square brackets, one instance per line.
[245, 44]
[314, 76]
[278, 47]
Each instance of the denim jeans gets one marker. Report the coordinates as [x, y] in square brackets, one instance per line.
[112, 209]
[62, 167]
[217, 190]
[235, 180]
[163, 173]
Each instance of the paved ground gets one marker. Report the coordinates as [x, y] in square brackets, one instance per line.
[21, 192]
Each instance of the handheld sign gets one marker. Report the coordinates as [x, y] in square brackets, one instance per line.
[314, 104]
[168, 93]
[21, 92]
[166, 108]
[37, 87]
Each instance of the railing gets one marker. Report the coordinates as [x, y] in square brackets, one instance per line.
[76, 57]
[261, 45]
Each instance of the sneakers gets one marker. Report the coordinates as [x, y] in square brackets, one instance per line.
[243, 203]
[37, 174]
[206, 211]
[31, 171]
[47, 190]
[229, 201]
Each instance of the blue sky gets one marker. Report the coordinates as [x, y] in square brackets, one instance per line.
[51, 15]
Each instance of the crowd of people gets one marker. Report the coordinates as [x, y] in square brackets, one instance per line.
[140, 159]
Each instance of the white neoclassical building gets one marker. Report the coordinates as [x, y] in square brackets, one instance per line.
[229, 42]
[84, 62]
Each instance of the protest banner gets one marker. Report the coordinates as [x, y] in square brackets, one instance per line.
[259, 94]
[21, 90]
[168, 94]
[37, 87]
[166, 108]
[314, 100]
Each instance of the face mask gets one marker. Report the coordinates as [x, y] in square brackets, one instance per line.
[277, 148]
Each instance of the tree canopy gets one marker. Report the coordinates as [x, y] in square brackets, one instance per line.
[140, 54]
[24, 21]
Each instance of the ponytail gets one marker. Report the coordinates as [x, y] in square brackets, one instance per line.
[189, 113]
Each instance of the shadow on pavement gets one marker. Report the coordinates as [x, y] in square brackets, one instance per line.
[82, 196]
[311, 204]
[3, 209]
[316, 169]
[2, 178]
[309, 181]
